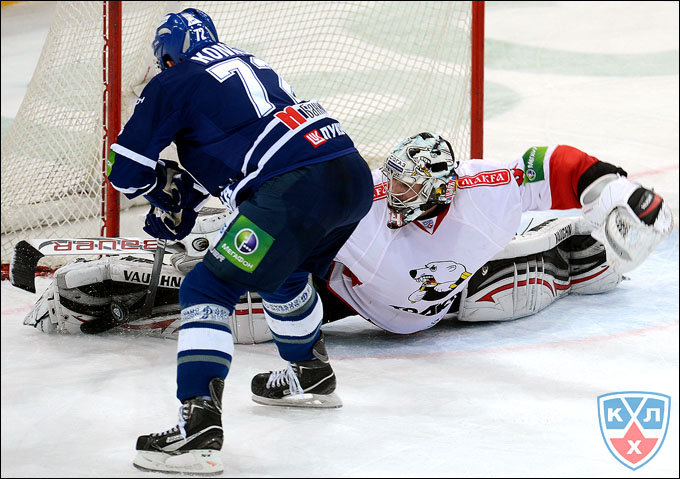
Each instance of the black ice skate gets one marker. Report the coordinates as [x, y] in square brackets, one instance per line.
[193, 446]
[303, 384]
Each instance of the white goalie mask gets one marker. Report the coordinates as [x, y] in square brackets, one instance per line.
[419, 174]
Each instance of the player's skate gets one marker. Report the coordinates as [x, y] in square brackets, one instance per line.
[193, 446]
[302, 384]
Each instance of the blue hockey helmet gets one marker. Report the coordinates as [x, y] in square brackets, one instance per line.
[181, 32]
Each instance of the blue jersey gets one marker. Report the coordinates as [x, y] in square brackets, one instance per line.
[236, 123]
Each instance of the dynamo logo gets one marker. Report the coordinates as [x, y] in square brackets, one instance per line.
[634, 425]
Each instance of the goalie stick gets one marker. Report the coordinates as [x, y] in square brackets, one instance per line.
[118, 312]
[27, 253]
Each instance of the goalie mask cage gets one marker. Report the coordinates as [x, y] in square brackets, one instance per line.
[385, 70]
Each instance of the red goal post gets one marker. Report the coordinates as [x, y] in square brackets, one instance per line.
[385, 70]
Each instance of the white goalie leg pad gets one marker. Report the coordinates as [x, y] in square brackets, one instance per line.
[49, 315]
[511, 291]
[589, 274]
[558, 257]
[44, 315]
[71, 300]
[545, 236]
[628, 240]
[248, 323]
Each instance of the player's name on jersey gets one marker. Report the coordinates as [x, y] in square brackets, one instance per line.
[218, 51]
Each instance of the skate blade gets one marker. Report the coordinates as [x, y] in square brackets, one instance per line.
[199, 462]
[302, 400]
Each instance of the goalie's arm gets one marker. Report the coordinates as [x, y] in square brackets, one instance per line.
[617, 208]
[555, 177]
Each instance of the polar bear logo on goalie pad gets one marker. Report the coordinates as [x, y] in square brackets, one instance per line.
[438, 280]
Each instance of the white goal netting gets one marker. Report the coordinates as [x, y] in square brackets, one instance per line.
[385, 70]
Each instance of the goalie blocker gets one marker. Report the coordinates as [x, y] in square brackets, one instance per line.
[546, 263]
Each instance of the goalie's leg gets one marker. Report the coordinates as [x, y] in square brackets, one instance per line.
[515, 287]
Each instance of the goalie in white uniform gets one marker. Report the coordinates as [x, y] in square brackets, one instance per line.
[439, 242]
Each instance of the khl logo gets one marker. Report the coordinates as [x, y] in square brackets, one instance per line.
[246, 241]
[634, 425]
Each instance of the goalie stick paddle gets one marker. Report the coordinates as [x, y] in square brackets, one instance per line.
[27, 253]
[119, 313]
[23, 266]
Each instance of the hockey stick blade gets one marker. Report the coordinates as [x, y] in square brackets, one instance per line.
[119, 313]
[23, 266]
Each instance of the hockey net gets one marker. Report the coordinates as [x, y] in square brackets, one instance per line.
[385, 70]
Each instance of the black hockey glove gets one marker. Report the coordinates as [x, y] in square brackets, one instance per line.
[172, 226]
[175, 189]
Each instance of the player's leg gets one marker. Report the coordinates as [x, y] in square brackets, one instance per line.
[334, 308]
[310, 239]
[294, 314]
[276, 232]
[204, 352]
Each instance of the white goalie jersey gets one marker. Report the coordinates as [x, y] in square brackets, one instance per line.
[405, 280]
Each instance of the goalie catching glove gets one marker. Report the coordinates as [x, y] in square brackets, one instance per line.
[628, 219]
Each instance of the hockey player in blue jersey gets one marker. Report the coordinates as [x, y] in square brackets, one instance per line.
[298, 187]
